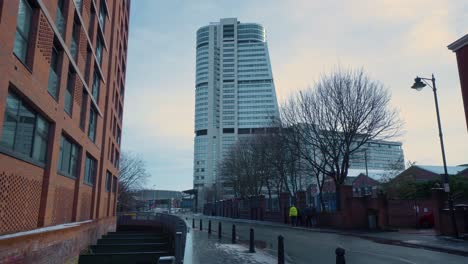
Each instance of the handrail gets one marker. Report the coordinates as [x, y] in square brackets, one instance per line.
[174, 224]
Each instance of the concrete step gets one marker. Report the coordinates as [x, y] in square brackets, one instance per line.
[129, 248]
[107, 241]
[136, 236]
[122, 258]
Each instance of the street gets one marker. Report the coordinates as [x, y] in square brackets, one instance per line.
[304, 247]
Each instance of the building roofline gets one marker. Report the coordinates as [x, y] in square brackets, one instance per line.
[459, 43]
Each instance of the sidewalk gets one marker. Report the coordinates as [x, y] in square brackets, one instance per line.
[425, 239]
[203, 248]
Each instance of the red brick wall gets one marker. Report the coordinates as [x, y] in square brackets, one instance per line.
[462, 60]
[33, 196]
[20, 193]
[58, 246]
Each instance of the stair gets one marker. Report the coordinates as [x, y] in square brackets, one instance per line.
[122, 247]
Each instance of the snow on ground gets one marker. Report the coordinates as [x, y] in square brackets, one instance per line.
[44, 229]
[243, 254]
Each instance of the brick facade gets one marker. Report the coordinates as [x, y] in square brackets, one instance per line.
[34, 194]
[460, 47]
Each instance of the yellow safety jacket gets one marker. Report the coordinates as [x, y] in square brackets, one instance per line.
[293, 211]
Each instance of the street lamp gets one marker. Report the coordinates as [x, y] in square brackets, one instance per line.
[419, 83]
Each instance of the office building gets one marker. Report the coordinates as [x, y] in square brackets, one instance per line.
[378, 155]
[234, 92]
[62, 68]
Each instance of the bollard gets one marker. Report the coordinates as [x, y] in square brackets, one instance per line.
[280, 250]
[193, 223]
[340, 255]
[201, 224]
[209, 226]
[233, 234]
[219, 230]
[252, 241]
[178, 248]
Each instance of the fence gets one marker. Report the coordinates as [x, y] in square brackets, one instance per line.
[171, 223]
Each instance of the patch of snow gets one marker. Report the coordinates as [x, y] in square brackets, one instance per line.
[44, 229]
[259, 257]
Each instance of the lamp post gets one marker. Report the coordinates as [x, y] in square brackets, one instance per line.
[419, 83]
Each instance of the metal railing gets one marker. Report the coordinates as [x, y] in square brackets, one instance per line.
[171, 223]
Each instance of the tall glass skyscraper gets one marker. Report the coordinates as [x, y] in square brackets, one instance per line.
[234, 92]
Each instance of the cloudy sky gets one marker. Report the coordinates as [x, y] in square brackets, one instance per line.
[393, 40]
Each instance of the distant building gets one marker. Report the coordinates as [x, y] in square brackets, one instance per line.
[460, 47]
[423, 173]
[234, 92]
[158, 198]
[378, 155]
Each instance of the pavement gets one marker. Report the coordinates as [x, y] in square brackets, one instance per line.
[421, 238]
[202, 248]
[305, 245]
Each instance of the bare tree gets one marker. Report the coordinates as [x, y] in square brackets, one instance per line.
[343, 112]
[244, 167]
[132, 177]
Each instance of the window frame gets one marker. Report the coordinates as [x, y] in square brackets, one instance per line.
[92, 124]
[12, 150]
[26, 39]
[74, 148]
[90, 173]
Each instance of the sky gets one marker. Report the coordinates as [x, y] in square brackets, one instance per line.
[392, 40]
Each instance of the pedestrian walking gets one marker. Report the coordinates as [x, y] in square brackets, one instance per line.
[293, 215]
[308, 216]
[313, 218]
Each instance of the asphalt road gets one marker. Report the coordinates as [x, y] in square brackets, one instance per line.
[304, 247]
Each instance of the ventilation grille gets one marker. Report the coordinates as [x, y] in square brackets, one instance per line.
[63, 205]
[19, 203]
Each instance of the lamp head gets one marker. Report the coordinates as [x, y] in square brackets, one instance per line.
[418, 84]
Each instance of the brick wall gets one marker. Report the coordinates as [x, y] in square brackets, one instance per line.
[35, 195]
[462, 60]
[57, 246]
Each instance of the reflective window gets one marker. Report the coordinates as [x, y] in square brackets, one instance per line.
[53, 73]
[23, 26]
[68, 158]
[69, 93]
[24, 131]
[96, 86]
[92, 124]
[90, 169]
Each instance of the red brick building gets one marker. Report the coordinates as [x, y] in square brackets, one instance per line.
[62, 75]
[460, 47]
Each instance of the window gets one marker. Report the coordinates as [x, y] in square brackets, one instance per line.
[23, 26]
[24, 131]
[114, 184]
[117, 159]
[84, 103]
[69, 93]
[99, 50]
[90, 169]
[79, 5]
[102, 15]
[91, 21]
[59, 18]
[96, 86]
[53, 73]
[118, 135]
[108, 181]
[68, 158]
[74, 42]
[92, 124]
